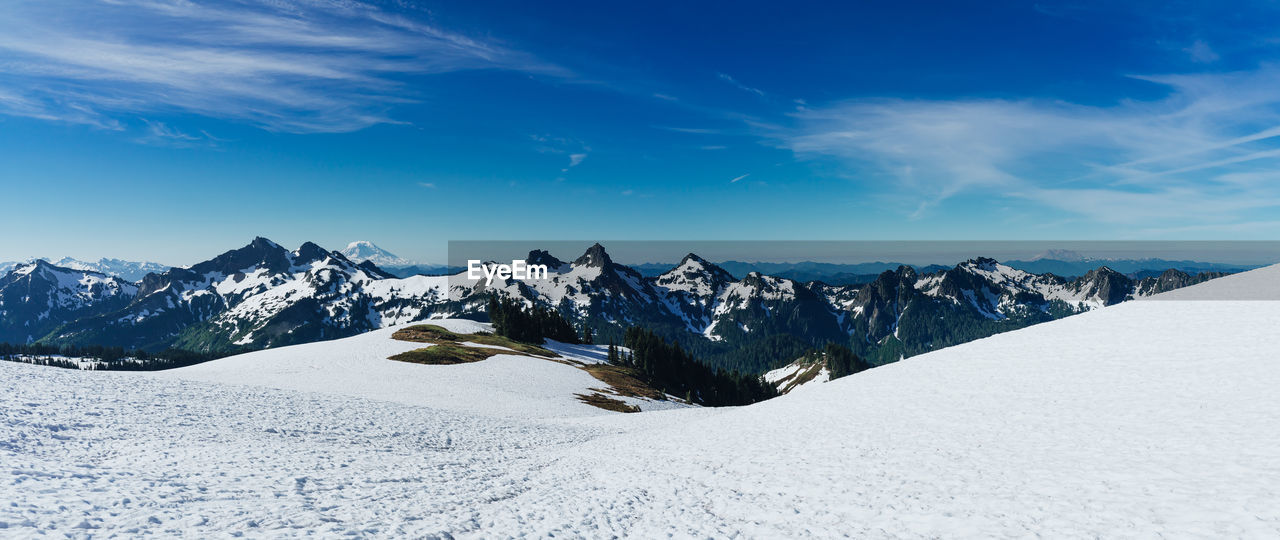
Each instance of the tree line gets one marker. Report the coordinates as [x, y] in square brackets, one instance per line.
[669, 368]
[101, 357]
[512, 320]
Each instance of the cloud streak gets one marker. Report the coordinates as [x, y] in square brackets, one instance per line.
[726, 78]
[284, 66]
[1177, 158]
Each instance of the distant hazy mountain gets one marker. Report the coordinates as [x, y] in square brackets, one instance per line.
[1068, 263]
[1064, 255]
[128, 270]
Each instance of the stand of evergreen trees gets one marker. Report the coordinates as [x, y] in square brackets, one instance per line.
[103, 358]
[667, 367]
[535, 325]
[841, 361]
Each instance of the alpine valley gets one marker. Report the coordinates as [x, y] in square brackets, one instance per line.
[264, 295]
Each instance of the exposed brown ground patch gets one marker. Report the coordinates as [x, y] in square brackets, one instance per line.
[607, 403]
[450, 348]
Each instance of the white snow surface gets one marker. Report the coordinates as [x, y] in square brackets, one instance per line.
[1144, 419]
[502, 385]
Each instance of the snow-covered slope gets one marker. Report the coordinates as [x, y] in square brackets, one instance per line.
[502, 385]
[1144, 419]
[1260, 284]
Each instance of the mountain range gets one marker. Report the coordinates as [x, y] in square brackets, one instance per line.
[749, 323]
[261, 295]
[1061, 262]
[264, 295]
[127, 270]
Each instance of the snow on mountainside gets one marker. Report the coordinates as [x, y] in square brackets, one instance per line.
[797, 375]
[997, 290]
[126, 270]
[261, 295]
[1144, 419]
[591, 286]
[37, 297]
[900, 313]
[363, 250]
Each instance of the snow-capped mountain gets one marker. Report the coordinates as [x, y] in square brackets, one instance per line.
[36, 297]
[363, 250]
[691, 288]
[1065, 255]
[591, 287]
[127, 270]
[261, 295]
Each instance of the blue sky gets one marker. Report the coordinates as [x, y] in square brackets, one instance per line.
[172, 130]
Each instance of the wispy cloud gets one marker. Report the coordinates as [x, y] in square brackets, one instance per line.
[428, 185]
[293, 66]
[735, 180]
[726, 78]
[161, 134]
[1181, 157]
[576, 150]
[1201, 52]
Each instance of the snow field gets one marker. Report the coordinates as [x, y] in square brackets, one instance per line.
[1144, 419]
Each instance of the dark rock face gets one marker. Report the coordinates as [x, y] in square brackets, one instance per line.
[883, 301]
[1172, 279]
[539, 256]
[594, 257]
[1106, 284]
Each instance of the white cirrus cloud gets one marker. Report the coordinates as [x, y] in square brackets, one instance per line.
[291, 66]
[1197, 154]
[727, 78]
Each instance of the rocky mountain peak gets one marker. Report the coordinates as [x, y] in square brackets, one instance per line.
[693, 258]
[263, 244]
[309, 252]
[1105, 284]
[539, 256]
[595, 256]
